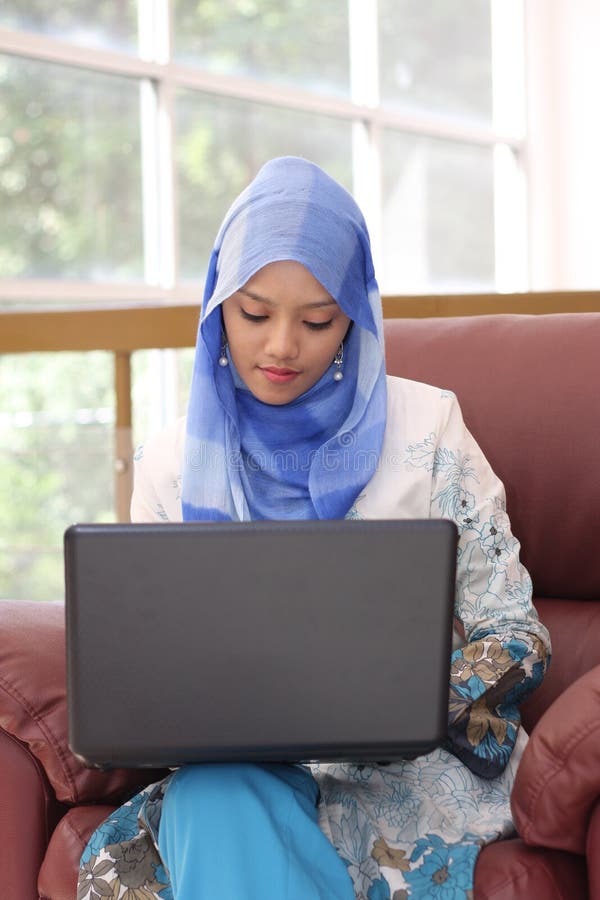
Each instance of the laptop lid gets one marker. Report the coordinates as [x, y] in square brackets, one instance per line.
[258, 641]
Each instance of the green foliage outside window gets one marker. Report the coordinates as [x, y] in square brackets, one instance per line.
[56, 441]
[70, 173]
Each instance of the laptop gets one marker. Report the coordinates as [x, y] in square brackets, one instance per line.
[259, 641]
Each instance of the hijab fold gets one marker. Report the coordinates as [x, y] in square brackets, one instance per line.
[310, 458]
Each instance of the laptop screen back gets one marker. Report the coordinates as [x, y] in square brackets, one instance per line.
[258, 641]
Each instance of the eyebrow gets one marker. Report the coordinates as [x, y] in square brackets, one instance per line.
[315, 305]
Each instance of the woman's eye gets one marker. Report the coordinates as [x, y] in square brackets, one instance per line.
[250, 317]
[319, 326]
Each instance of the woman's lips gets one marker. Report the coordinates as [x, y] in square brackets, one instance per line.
[278, 376]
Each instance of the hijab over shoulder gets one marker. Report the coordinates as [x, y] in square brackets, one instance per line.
[310, 458]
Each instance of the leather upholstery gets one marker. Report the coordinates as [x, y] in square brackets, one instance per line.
[575, 632]
[529, 388]
[509, 870]
[558, 780]
[58, 874]
[593, 853]
[28, 814]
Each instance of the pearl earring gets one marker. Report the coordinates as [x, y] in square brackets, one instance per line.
[338, 360]
[223, 361]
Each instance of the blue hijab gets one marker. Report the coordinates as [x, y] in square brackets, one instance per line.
[308, 459]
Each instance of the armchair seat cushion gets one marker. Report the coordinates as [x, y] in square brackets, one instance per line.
[58, 875]
[558, 779]
[510, 870]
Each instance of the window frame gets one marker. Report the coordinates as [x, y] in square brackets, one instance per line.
[160, 78]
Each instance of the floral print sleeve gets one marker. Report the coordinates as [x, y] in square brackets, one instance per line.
[507, 649]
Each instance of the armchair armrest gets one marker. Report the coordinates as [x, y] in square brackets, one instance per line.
[33, 704]
[28, 814]
[558, 780]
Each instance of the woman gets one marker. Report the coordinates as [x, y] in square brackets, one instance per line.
[290, 359]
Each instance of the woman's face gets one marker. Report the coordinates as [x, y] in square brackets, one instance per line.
[283, 330]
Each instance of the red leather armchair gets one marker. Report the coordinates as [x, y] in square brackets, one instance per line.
[530, 392]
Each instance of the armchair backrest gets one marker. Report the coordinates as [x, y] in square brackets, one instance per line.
[529, 388]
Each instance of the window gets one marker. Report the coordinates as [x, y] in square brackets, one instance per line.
[221, 144]
[126, 130]
[70, 175]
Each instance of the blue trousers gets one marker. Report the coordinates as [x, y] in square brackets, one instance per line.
[248, 832]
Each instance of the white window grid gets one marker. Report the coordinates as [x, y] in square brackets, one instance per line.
[160, 77]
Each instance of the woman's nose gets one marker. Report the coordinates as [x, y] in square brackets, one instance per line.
[282, 342]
